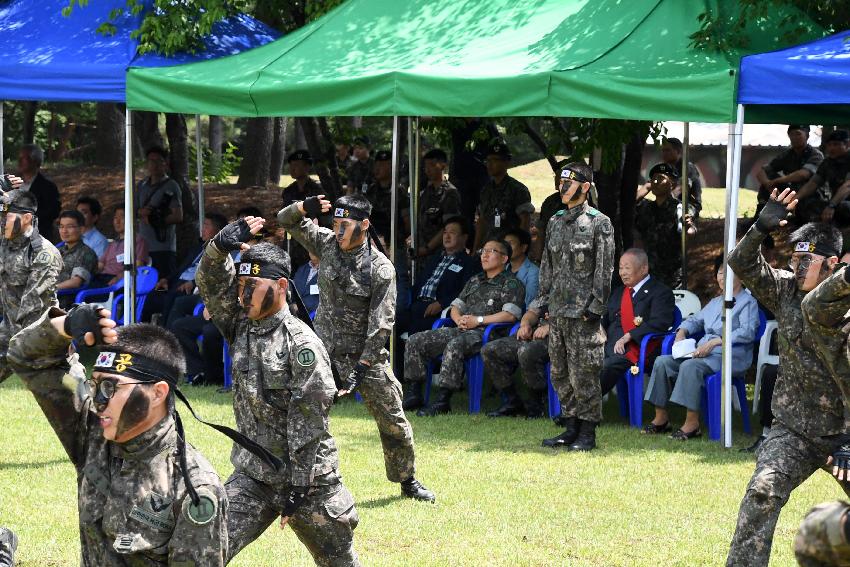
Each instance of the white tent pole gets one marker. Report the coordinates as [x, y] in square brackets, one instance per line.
[733, 174]
[129, 217]
[200, 159]
[412, 174]
[2, 154]
[393, 218]
[686, 190]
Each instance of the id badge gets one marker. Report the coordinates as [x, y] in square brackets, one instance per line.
[364, 188]
[497, 221]
[314, 289]
[119, 258]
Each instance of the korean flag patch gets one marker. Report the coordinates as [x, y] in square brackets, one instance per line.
[244, 268]
[105, 360]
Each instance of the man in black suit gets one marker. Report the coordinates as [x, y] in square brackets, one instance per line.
[30, 158]
[648, 308]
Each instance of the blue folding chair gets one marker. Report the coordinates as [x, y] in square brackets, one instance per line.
[146, 278]
[630, 386]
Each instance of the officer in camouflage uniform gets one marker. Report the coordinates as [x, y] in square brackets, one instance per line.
[505, 203]
[502, 356]
[380, 197]
[492, 296]
[144, 495]
[29, 268]
[8, 546]
[283, 389]
[300, 162]
[357, 296]
[79, 262]
[575, 281]
[439, 201]
[824, 536]
[824, 194]
[657, 223]
[792, 168]
[359, 172]
[807, 404]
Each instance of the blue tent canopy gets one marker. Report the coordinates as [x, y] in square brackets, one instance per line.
[47, 56]
[804, 81]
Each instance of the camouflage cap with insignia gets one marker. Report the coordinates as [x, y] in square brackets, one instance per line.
[383, 155]
[498, 147]
[300, 155]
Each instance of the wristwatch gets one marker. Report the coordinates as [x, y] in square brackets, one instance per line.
[480, 320]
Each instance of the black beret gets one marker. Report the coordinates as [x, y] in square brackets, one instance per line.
[838, 136]
[498, 147]
[300, 155]
[663, 168]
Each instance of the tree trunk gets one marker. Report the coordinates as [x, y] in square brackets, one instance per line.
[109, 136]
[64, 139]
[300, 141]
[256, 153]
[321, 146]
[178, 147]
[146, 129]
[608, 185]
[30, 109]
[216, 141]
[278, 155]
[628, 186]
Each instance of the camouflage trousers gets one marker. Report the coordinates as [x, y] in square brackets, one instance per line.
[324, 523]
[5, 335]
[454, 344]
[785, 460]
[821, 539]
[576, 350]
[502, 356]
[381, 394]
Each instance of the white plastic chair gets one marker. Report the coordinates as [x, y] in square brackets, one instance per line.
[764, 358]
[687, 302]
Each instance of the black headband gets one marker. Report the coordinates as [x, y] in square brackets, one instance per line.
[573, 175]
[260, 269]
[354, 213]
[820, 248]
[13, 208]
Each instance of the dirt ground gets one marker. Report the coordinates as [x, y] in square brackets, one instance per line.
[107, 185]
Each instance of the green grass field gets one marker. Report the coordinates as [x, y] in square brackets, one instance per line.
[501, 498]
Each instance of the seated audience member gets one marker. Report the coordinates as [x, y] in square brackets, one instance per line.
[79, 261]
[657, 224]
[641, 306]
[306, 281]
[521, 266]
[90, 208]
[689, 373]
[159, 206]
[177, 297]
[824, 195]
[110, 265]
[204, 366]
[528, 349]
[30, 160]
[493, 296]
[438, 202]
[791, 168]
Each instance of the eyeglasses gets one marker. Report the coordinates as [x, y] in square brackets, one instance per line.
[68, 226]
[803, 262]
[106, 387]
[485, 251]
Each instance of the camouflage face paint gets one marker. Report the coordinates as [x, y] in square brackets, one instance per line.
[247, 293]
[135, 411]
[268, 300]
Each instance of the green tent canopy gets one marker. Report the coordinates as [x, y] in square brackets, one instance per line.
[627, 59]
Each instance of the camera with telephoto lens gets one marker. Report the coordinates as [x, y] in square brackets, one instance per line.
[5, 184]
[157, 216]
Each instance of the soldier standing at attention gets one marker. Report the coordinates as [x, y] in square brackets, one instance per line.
[355, 318]
[807, 403]
[575, 281]
[144, 495]
[283, 389]
[29, 268]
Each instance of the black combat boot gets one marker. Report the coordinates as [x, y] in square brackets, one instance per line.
[8, 546]
[511, 404]
[566, 438]
[412, 488]
[536, 404]
[586, 440]
[413, 400]
[441, 405]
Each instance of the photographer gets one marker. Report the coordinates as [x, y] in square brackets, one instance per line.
[159, 207]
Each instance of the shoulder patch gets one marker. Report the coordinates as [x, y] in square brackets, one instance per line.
[202, 513]
[592, 212]
[560, 213]
[386, 272]
[605, 227]
[305, 356]
[42, 257]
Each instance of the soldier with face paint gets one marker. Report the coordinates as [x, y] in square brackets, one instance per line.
[807, 403]
[145, 496]
[357, 297]
[29, 268]
[283, 389]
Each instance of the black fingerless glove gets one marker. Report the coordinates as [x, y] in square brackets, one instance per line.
[312, 207]
[82, 319]
[231, 237]
[358, 373]
[294, 499]
[770, 216]
[591, 317]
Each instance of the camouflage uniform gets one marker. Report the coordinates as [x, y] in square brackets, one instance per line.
[575, 281]
[806, 404]
[830, 175]
[480, 296]
[381, 200]
[502, 356]
[822, 540]
[507, 201]
[790, 161]
[297, 255]
[133, 504]
[436, 206]
[29, 268]
[80, 261]
[357, 295]
[694, 185]
[359, 174]
[658, 226]
[283, 389]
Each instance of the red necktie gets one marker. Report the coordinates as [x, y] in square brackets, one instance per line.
[627, 320]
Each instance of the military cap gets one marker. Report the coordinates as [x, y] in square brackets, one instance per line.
[300, 155]
[803, 127]
[18, 201]
[664, 169]
[383, 155]
[838, 136]
[362, 141]
[437, 154]
[498, 147]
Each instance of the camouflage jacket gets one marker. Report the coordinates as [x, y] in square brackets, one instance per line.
[381, 200]
[80, 261]
[790, 161]
[134, 509]
[575, 273]
[658, 226]
[29, 268]
[805, 398]
[485, 296]
[359, 174]
[292, 193]
[825, 314]
[357, 292]
[832, 173]
[436, 205]
[507, 201]
[282, 382]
